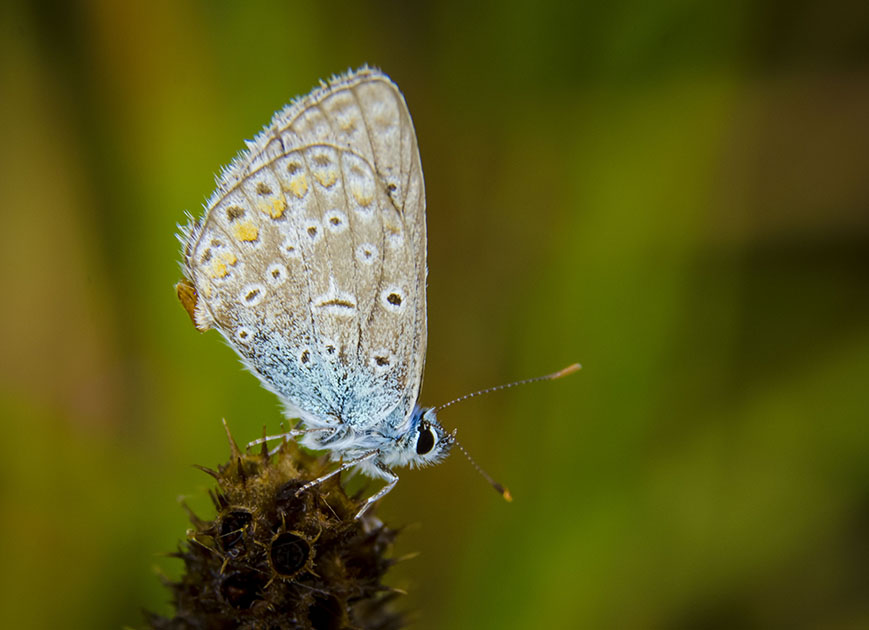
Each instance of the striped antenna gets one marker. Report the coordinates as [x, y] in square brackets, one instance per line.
[570, 369]
[500, 489]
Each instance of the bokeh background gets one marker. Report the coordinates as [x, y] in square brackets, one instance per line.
[674, 193]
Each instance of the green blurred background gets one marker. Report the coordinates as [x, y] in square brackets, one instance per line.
[674, 193]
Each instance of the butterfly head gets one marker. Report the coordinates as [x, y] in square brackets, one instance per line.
[426, 442]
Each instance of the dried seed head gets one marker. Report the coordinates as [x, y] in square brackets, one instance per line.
[272, 559]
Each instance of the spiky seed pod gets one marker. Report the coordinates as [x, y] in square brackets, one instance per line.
[274, 559]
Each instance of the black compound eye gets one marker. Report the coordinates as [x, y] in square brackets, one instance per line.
[426, 440]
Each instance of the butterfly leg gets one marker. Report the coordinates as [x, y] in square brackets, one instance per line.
[392, 479]
[292, 433]
[344, 466]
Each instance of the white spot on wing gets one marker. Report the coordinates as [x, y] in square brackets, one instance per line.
[290, 248]
[329, 350]
[393, 299]
[313, 231]
[381, 360]
[366, 253]
[335, 221]
[394, 240]
[276, 274]
[336, 302]
[243, 335]
[252, 294]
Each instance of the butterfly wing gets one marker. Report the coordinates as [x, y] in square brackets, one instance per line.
[311, 257]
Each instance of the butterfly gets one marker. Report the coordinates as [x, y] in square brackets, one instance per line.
[310, 260]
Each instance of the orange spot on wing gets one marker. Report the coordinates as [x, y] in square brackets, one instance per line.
[187, 296]
[362, 198]
[326, 178]
[275, 209]
[299, 186]
[246, 231]
[218, 269]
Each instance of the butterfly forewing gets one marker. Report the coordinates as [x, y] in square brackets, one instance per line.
[311, 257]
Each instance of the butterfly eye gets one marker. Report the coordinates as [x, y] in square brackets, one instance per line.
[426, 440]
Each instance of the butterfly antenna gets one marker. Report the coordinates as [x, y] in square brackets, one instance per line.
[504, 492]
[570, 369]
